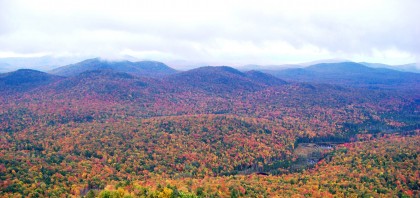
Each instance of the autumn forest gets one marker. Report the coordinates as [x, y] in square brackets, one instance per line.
[142, 129]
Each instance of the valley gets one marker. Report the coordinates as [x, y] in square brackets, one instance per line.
[142, 129]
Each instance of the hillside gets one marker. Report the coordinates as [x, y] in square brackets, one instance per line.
[25, 79]
[141, 68]
[102, 84]
[223, 79]
[264, 78]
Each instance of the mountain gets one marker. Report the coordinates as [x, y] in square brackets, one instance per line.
[5, 67]
[106, 84]
[287, 66]
[343, 67]
[268, 67]
[266, 79]
[350, 74]
[107, 81]
[220, 79]
[329, 61]
[141, 68]
[412, 67]
[25, 79]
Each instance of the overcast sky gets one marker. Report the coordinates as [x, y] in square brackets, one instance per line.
[217, 31]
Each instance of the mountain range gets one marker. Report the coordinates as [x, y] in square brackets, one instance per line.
[47, 63]
[412, 67]
[100, 125]
[223, 78]
[100, 89]
[350, 74]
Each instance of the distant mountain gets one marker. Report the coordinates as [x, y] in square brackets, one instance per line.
[412, 67]
[44, 63]
[220, 79]
[141, 68]
[287, 66]
[329, 61]
[343, 68]
[25, 79]
[266, 79]
[5, 67]
[268, 67]
[350, 73]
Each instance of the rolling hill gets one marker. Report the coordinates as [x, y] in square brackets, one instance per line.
[25, 79]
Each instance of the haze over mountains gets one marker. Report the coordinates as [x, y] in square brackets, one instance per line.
[412, 67]
[349, 73]
[43, 63]
[48, 63]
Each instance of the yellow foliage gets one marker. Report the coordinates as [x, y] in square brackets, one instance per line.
[166, 193]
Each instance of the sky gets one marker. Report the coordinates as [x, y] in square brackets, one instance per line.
[228, 32]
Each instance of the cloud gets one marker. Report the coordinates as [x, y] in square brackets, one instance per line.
[231, 32]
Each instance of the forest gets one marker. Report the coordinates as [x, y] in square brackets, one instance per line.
[206, 132]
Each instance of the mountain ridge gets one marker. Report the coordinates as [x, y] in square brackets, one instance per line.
[221, 79]
[349, 74]
[142, 68]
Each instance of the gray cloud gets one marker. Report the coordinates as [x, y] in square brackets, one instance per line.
[232, 32]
